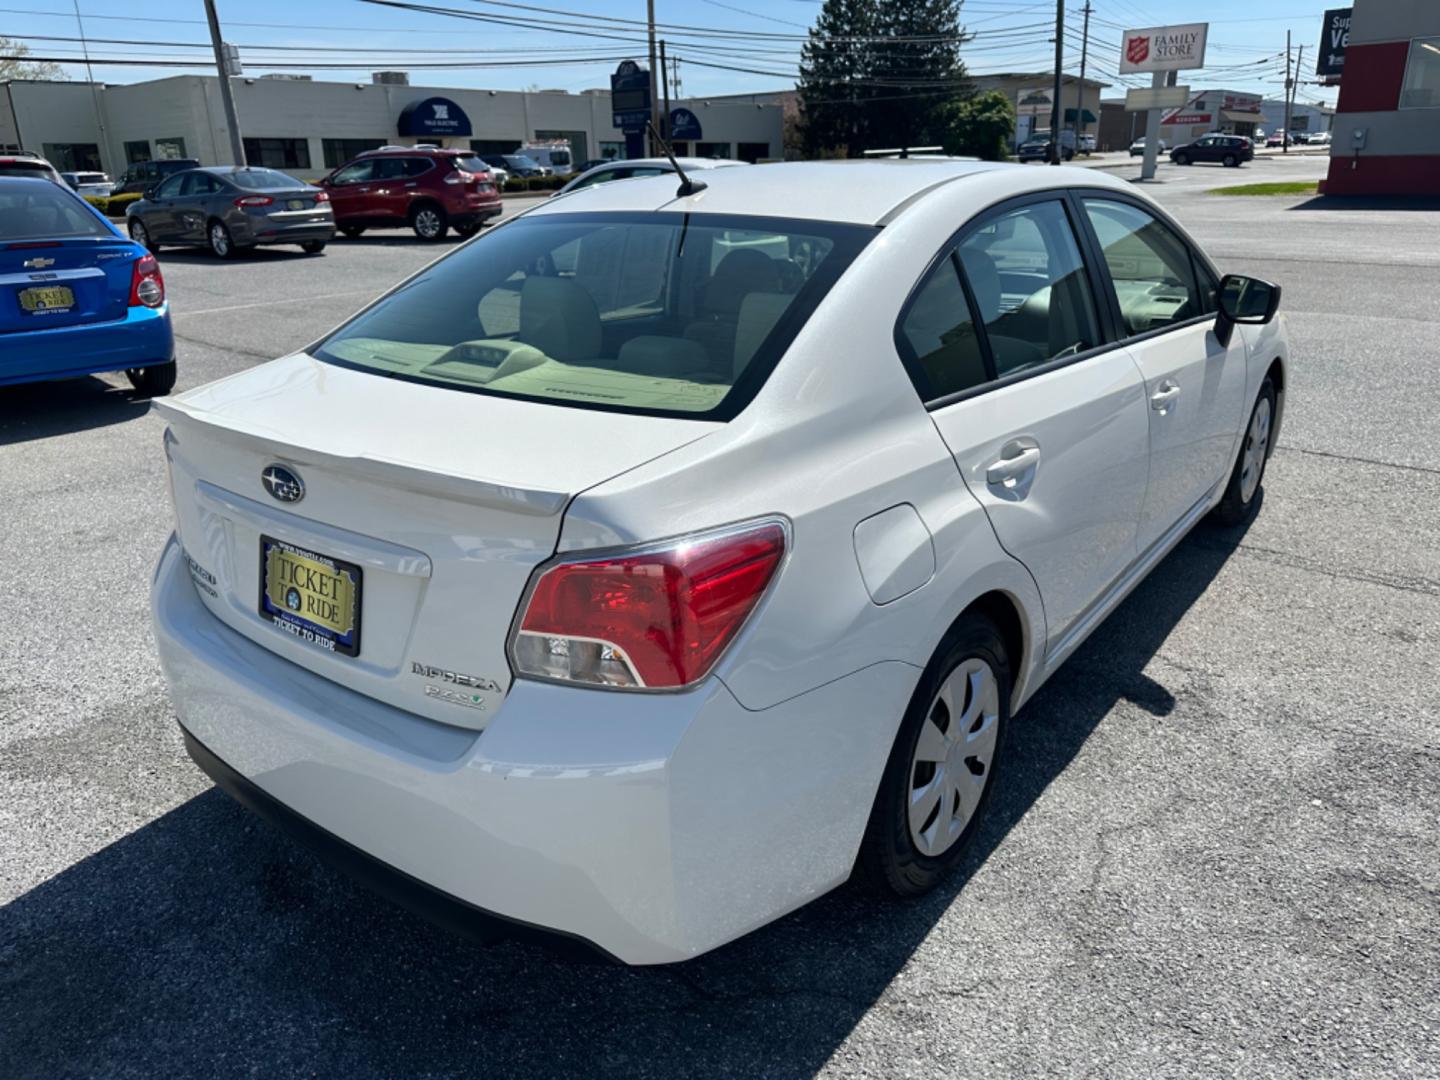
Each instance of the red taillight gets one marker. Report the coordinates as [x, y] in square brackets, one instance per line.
[147, 287]
[658, 618]
[254, 200]
[459, 176]
[322, 196]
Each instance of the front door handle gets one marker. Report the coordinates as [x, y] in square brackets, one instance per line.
[1165, 398]
[1015, 470]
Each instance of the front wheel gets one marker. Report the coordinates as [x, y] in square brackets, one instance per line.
[156, 381]
[1181, 159]
[1230, 161]
[429, 222]
[313, 247]
[221, 244]
[141, 235]
[941, 770]
[1242, 494]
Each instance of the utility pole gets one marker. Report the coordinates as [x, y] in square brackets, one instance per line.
[654, 89]
[1080, 97]
[237, 145]
[1290, 109]
[1285, 139]
[664, 93]
[1055, 113]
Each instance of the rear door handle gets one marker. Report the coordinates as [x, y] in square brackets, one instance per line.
[1165, 398]
[1016, 466]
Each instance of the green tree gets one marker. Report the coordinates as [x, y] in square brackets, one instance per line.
[13, 64]
[978, 125]
[876, 73]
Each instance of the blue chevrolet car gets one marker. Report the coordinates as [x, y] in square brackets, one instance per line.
[77, 297]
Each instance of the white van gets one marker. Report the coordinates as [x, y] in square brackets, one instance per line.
[555, 156]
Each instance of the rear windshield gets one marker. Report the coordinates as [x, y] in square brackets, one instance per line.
[45, 212]
[471, 164]
[24, 168]
[263, 180]
[660, 314]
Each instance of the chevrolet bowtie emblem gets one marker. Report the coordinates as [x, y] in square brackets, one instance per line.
[38, 263]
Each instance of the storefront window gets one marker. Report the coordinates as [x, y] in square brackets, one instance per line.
[73, 157]
[278, 153]
[494, 146]
[170, 149]
[712, 149]
[612, 151]
[136, 151]
[1422, 75]
[753, 151]
[339, 151]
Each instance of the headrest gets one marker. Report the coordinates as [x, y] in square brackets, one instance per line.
[741, 271]
[666, 357]
[559, 318]
[759, 312]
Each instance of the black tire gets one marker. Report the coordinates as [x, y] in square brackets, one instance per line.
[154, 381]
[890, 860]
[429, 221]
[1230, 161]
[351, 231]
[467, 231]
[1181, 159]
[313, 247]
[141, 235]
[219, 240]
[1242, 497]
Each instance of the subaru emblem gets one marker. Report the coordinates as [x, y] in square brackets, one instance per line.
[282, 483]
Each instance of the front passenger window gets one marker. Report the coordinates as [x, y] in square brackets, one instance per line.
[1030, 284]
[1149, 265]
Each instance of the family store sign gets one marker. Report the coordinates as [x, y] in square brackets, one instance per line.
[1163, 48]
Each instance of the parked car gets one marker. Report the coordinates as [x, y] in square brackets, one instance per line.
[1274, 139]
[28, 164]
[593, 163]
[515, 164]
[640, 167]
[431, 190]
[76, 296]
[143, 175]
[1229, 150]
[555, 158]
[1137, 148]
[1087, 144]
[642, 605]
[1300, 138]
[1319, 138]
[1038, 149]
[231, 210]
[88, 183]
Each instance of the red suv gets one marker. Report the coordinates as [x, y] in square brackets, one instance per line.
[428, 189]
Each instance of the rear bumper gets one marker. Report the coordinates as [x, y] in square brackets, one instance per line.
[142, 339]
[654, 827]
[290, 234]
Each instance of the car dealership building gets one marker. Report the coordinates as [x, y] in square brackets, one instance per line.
[308, 127]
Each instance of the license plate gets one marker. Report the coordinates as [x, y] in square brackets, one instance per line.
[297, 204]
[314, 597]
[47, 299]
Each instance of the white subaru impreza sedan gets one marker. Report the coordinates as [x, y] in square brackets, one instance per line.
[641, 569]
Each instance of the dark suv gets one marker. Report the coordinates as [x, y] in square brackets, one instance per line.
[1230, 150]
[430, 190]
[143, 175]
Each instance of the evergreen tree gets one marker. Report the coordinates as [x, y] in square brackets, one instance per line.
[835, 65]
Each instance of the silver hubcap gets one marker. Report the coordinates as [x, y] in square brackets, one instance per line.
[218, 240]
[1257, 446]
[428, 222]
[137, 232]
[953, 756]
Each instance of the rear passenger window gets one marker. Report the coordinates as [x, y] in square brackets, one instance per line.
[1030, 285]
[941, 335]
[1150, 266]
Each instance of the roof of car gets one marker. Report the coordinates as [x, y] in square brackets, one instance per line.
[416, 150]
[863, 192]
[685, 162]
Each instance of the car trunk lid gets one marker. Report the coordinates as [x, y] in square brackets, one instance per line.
[64, 282]
[443, 501]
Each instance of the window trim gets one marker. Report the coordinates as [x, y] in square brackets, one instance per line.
[1084, 240]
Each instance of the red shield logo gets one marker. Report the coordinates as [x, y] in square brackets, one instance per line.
[1137, 49]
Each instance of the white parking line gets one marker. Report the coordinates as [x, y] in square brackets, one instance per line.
[272, 303]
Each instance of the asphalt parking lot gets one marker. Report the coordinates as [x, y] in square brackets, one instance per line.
[1216, 850]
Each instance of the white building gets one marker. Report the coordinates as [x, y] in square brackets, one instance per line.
[308, 127]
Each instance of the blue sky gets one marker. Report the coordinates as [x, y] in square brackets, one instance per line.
[1247, 39]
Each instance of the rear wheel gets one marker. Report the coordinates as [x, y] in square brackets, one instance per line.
[156, 381]
[1181, 159]
[222, 246]
[1230, 161]
[940, 773]
[313, 247]
[141, 235]
[1242, 494]
[429, 221]
[351, 231]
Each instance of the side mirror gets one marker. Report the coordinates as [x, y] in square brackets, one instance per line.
[325, 181]
[1244, 300]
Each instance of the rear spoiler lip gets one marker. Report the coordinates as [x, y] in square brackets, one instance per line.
[475, 490]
